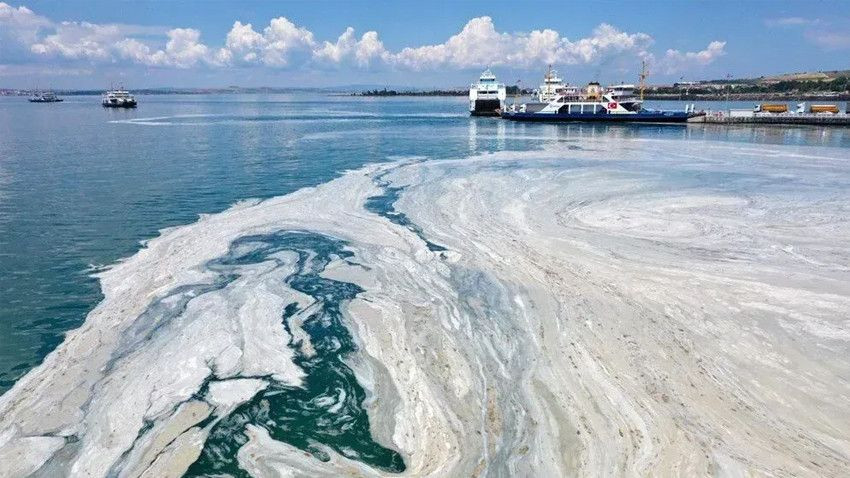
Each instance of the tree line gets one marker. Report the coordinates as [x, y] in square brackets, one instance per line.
[510, 90]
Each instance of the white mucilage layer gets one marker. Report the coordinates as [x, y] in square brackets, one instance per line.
[635, 307]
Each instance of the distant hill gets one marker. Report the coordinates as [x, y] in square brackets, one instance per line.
[806, 76]
[818, 76]
[818, 85]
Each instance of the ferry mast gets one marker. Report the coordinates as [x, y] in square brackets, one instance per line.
[643, 74]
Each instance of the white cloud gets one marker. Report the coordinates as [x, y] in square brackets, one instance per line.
[20, 25]
[370, 47]
[827, 33]
[479, 44]
[606, 41]
[284, 44]
[791, 21]
[102, 42]
[244, 38]
[283, 39]
[675, 61]
[242, 44]
[134, 50]
[362, 51]
[183, 49]
[539, 46]
[276, 46]
[830, 40]
[79, 40]
[91, 41]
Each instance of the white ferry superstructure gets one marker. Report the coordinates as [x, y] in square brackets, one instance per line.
[553, 87]
[487, 97]
[118, 98]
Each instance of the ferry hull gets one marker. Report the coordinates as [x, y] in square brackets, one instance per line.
[122, 105]
[642, 117]
[486, 107]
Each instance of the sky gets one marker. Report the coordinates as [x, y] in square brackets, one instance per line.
[217, 43]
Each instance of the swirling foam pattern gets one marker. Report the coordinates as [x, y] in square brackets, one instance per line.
[629, 307]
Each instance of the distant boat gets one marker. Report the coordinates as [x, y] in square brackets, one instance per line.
[44, 97]
[118, 98]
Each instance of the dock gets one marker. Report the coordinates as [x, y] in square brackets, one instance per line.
[818, 119]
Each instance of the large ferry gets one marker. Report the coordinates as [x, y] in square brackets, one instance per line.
[487, 97]
[616, 103]
[44, 97]
[118, 98]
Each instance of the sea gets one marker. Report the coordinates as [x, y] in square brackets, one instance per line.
[84, 189]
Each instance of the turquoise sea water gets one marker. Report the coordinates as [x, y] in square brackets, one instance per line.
[80, 187]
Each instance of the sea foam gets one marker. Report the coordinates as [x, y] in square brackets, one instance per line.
[620, 306]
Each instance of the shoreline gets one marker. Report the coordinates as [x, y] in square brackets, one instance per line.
[780, 97]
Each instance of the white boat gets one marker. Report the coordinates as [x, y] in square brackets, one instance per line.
[44, 97]
[118, 98]
[487, 97]
[617, 103]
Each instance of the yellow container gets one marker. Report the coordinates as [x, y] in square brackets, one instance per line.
[823, 109]
[774, 107]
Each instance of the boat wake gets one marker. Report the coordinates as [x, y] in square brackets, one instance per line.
[301, 117]
[665, 307]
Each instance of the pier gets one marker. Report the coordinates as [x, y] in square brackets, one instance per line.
[839, 119]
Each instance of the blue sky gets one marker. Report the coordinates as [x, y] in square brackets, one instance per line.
[76, 44]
